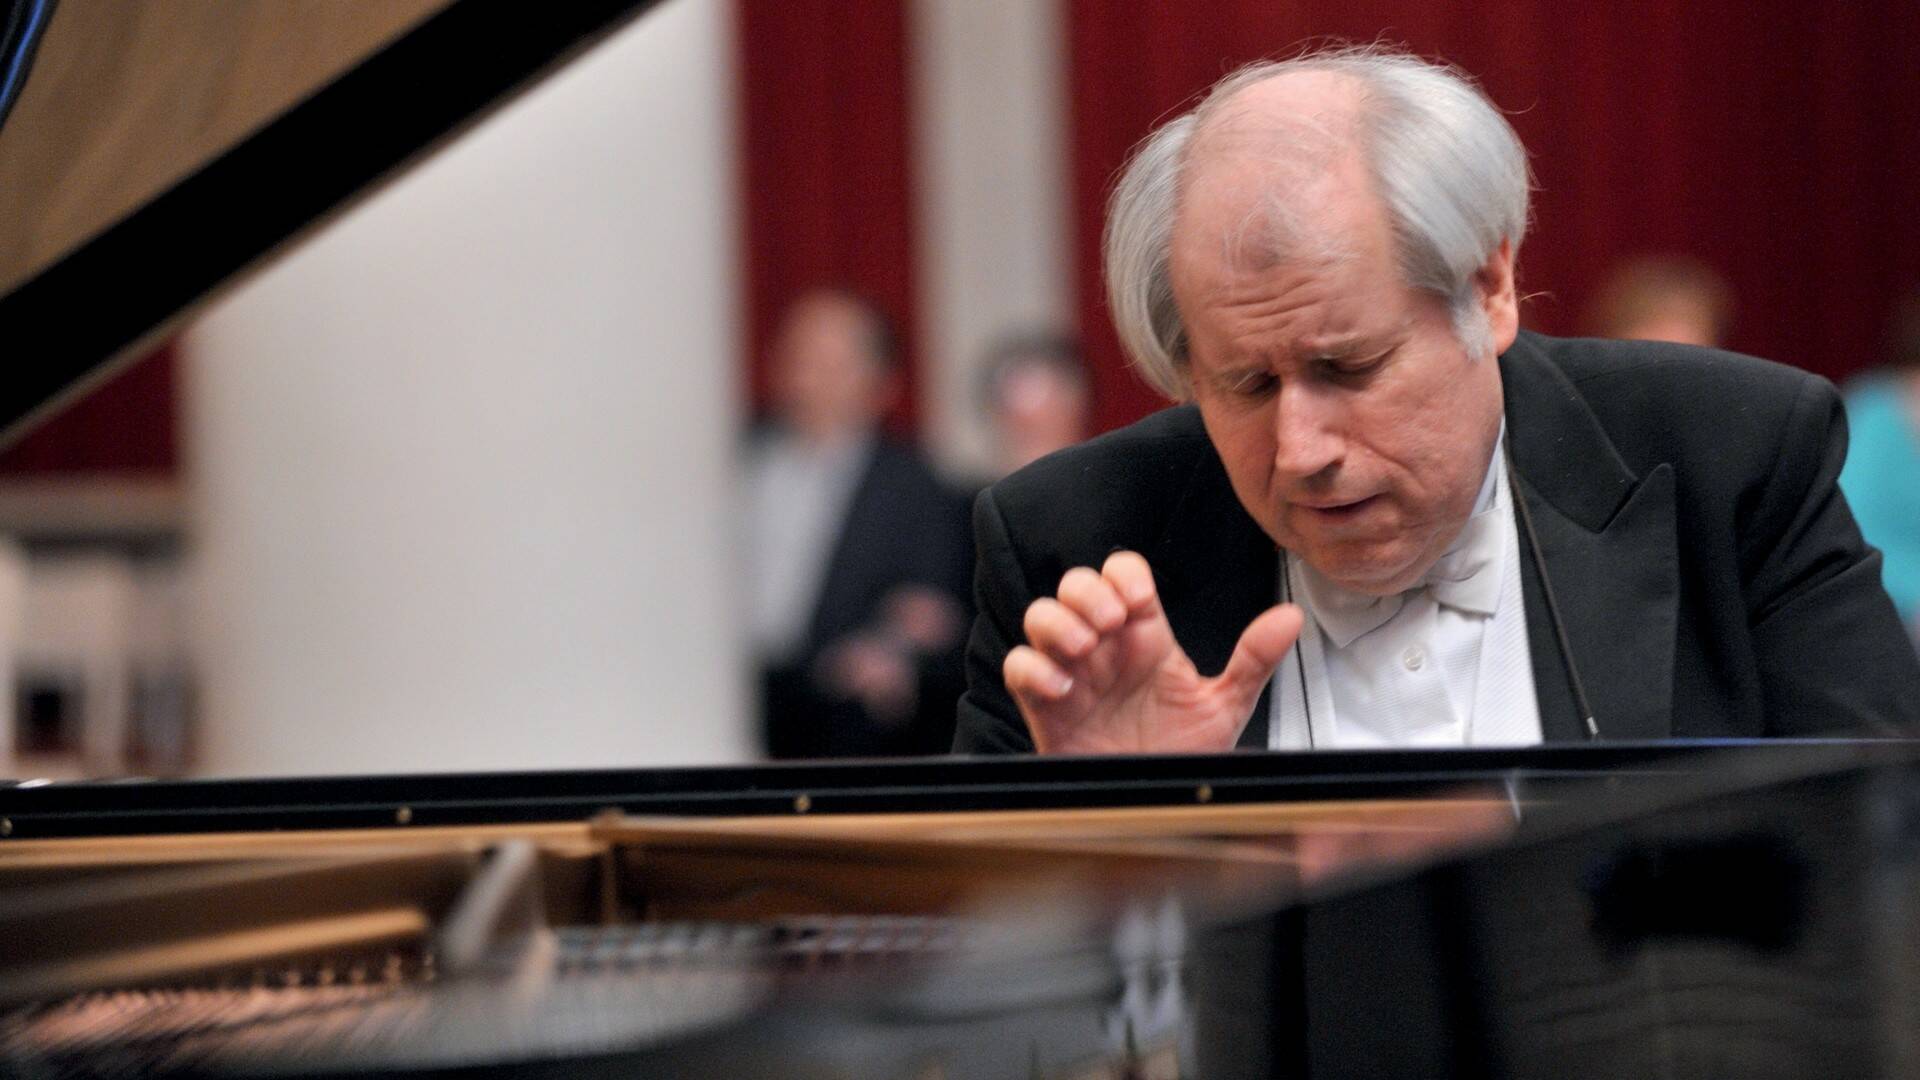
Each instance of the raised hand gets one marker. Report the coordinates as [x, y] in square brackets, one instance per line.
[1101, 672]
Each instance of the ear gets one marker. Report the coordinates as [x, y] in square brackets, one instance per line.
[1493, 284]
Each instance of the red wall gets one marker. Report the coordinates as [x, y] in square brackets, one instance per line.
[128, 426]
[826, 167]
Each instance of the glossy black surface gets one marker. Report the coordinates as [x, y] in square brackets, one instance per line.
[133, 806]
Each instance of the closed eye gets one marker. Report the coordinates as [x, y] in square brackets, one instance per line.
[1354, 368]
[1253, 385]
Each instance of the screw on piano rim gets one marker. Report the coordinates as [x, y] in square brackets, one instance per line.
[1204, 793]
[802, 803]
[404, 815]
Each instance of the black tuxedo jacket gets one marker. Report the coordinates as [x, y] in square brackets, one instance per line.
[1710, 576]
[902, 527]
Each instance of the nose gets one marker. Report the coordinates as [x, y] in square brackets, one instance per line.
[1308, 432]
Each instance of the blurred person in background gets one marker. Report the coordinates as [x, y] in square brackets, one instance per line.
[1662, 298]
[856, 558]
[1881, 479]
[1038, 395]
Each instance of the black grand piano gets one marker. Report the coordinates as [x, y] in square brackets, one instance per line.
[1678, 910]
[1702, 910]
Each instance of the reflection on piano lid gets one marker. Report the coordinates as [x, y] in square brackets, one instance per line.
[187, 225]
[1679, 911]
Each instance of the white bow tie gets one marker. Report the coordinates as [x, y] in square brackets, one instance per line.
[1466, 578]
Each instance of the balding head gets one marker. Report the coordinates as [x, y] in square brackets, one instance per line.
[1249, 167]
[1267, 175]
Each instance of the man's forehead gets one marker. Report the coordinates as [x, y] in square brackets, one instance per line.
[1256, 217]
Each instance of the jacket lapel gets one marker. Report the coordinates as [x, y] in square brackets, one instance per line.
[1217, 571]
[1607, 540]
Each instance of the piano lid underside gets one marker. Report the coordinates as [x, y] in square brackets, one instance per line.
[232, 157]
[128, 97]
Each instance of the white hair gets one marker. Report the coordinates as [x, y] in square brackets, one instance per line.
[1447, 166]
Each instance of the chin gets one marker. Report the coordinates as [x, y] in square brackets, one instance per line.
[1374, 573]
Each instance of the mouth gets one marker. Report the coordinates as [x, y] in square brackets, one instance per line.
[1337, 511]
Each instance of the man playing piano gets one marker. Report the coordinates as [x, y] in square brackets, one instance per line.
[1384, 515]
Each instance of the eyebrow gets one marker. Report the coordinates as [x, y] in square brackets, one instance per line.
[1340, 346]
[1234, 377]
[1328, 348]
[1229, 381]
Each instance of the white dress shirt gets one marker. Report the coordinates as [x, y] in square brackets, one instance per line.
[1445, 663]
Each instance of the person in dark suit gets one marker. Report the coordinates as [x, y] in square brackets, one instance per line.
[1437, 530]
[856, 555]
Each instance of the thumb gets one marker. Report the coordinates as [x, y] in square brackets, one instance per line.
[1262, 646]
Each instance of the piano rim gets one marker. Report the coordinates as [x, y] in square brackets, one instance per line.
[35, 810]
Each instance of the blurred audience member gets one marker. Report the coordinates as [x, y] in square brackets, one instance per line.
[1882, 475]
[856, 557]
[1038, 395]
[1662, 298]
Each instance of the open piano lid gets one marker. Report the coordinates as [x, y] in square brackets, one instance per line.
[99, 296]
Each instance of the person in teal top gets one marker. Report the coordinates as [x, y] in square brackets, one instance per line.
[1882, 476]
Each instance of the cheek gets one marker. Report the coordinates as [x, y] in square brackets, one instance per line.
[1434, 440]
[1397, 423]
[1244, 440]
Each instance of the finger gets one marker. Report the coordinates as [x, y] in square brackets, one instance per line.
[1056, 630]
[1132, 578]
[1093, 599]
[1035, 681]
[1262, 646]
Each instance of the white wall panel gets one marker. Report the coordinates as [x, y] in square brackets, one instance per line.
[461, 460]
[991, 146]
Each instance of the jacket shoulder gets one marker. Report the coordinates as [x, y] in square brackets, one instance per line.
[1691, 378]
[1661, 402]
[900, 461]
[1111, 490]
[1143, 454]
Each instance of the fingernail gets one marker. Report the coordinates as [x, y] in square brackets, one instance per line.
[1062, 685]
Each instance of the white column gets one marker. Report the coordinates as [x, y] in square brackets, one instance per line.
[991, 144]
[462, 460]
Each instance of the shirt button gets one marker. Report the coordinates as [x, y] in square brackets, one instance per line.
[1413, 658]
